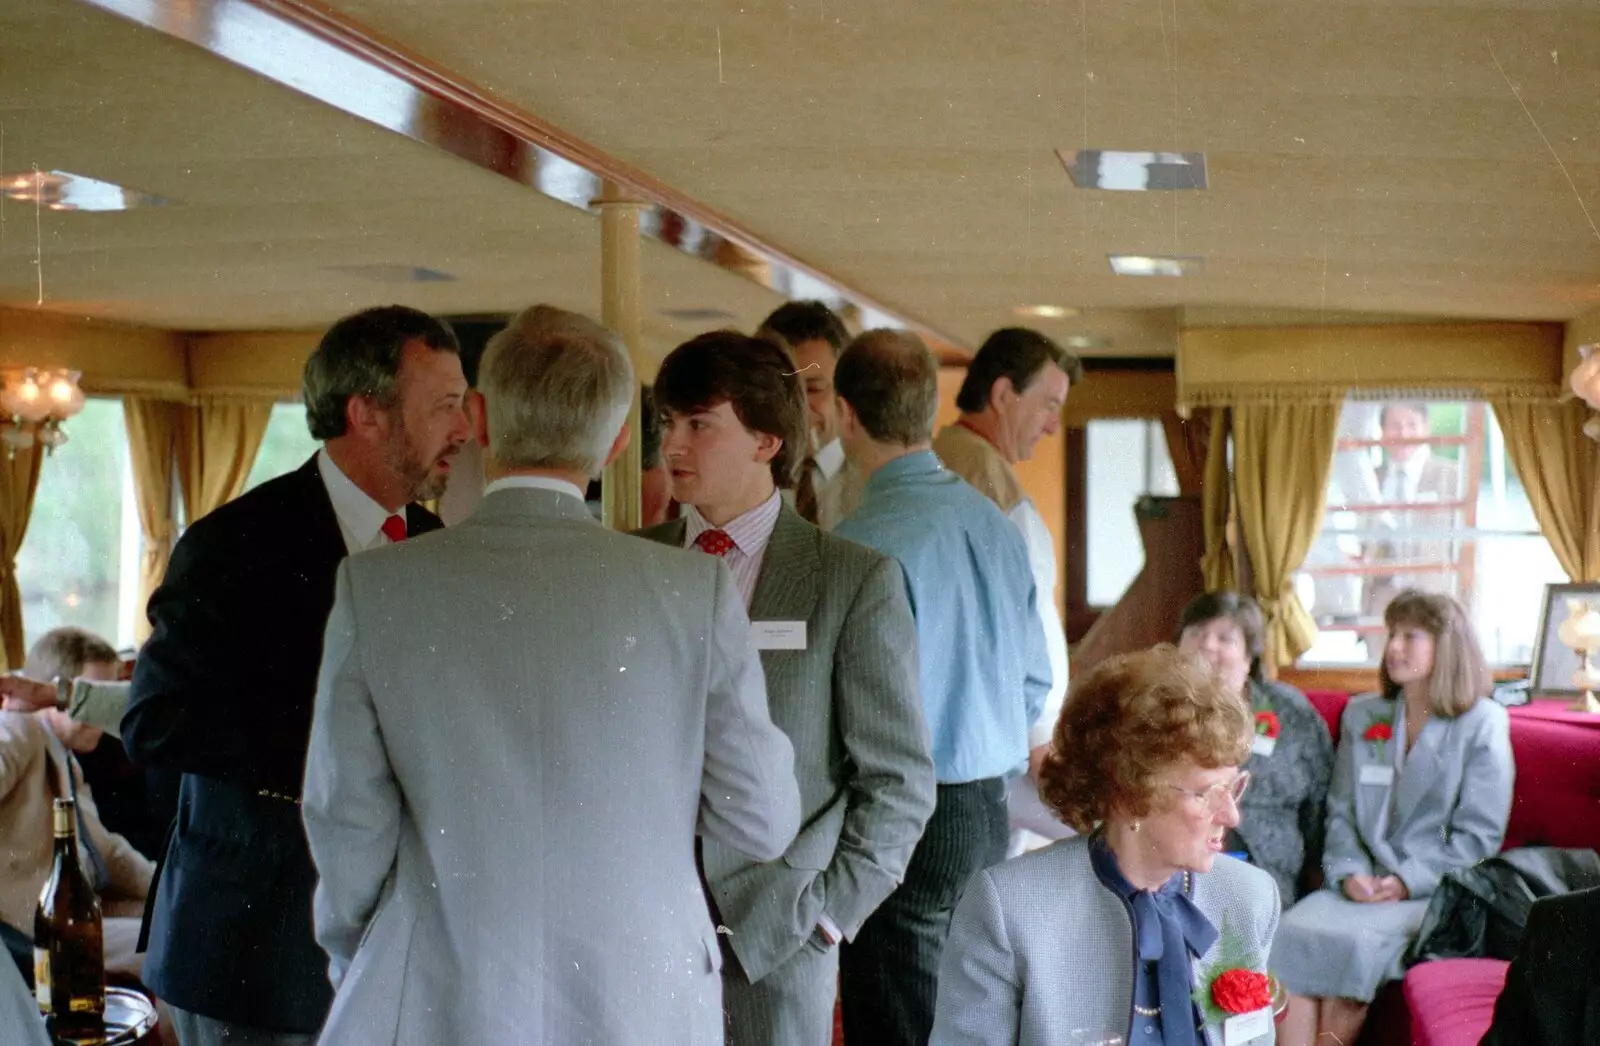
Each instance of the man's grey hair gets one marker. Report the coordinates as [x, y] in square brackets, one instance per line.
[556, 389]
[65, 652]
[360, 356]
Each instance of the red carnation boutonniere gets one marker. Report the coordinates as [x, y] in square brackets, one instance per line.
[1378, 733]
[1267, 725]
[1231, 985]
[1241, 991]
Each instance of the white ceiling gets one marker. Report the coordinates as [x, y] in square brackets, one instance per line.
[1366, 160]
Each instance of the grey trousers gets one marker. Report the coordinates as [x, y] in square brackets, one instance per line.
[889, 975]
[791, 1006]
[195, 1030]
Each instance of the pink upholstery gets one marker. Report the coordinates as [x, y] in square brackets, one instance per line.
[1555, 802]
[1452, 1000]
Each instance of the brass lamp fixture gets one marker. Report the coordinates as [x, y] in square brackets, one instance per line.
[34, 403]
[1581, 632]
[1585, 382]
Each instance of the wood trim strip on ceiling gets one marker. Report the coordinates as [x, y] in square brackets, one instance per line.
[307, 46]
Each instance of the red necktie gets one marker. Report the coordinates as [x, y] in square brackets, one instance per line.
[394, 528]
[714, 542]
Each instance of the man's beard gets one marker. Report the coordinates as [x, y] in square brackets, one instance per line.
[422, 484]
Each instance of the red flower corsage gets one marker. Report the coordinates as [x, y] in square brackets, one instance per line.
[1267, 724]
[1241, 991]
[1378, 733]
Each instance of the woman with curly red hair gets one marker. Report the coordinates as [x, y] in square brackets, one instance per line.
[1107, 934]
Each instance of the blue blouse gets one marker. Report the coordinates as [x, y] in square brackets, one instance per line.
[1167, 929]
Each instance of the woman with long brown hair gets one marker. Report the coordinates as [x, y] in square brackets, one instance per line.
[1421, 787]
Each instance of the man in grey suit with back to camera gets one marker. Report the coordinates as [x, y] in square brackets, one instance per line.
[521, 725]
[839, 648]
[983, 670]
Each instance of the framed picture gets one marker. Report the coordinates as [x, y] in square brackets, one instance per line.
[1553, 661]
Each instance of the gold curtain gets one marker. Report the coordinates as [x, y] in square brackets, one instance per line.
[1560, 469]
[19, 481]
[217, 444]
[1282, 456]
[1216, 501]
[152, 438]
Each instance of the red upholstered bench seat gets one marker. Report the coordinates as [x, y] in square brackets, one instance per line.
[1452, 1000]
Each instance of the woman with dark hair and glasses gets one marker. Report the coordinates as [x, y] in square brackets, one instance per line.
[1140, 930]
[1291, 755]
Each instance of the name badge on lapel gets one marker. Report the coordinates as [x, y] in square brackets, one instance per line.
[1246, 1027]
[1263, 746]
[779, 635]
[1377, 775]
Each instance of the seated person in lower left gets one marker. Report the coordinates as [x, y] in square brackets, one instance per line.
[36, 767]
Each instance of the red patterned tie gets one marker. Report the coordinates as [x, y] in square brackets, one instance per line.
[714, 542]
[394, 528]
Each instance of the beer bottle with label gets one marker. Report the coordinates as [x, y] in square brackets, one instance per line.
[68, 958]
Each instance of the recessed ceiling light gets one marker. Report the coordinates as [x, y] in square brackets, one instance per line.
[394, 273]
[1084, 341]
[1134, 172]
[65, 191]
[1045, 312]
[702, 314]
[1155, 265]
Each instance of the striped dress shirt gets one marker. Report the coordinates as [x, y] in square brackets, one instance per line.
[750, 533]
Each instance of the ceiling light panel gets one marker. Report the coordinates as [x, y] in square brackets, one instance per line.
[1134, 172]
[1155, 264]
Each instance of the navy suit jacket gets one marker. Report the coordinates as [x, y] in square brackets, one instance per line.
[223, 692]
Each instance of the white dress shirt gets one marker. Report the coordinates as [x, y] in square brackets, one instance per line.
[560, 486]
[1042, 558]
[360, 518]
[750, 533]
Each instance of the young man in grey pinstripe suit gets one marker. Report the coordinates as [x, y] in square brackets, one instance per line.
[838, 646]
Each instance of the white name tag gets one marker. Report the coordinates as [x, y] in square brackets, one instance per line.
[779, 635]
[1246, 1027]
[1377, 775]
[1263, 746]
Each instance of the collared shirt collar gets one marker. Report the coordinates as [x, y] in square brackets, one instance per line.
[750, 532]
[917, 463]
[830, 459]
[560, 486]
[360, 517]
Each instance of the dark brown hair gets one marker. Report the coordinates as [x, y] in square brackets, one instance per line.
[360, 356]
[754, 376]
[65, 651]
[1241, 610]
[1016, 353]
[799, 321]
[891, 381]
[1460, 674]
[1130, 719]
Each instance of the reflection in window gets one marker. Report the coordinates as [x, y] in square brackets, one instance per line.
[1423, 495]
[285, 447]
[83, 536]
[1127, 459]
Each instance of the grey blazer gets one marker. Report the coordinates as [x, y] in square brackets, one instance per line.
[850, 705]
[1039, 948]
[521, 724]
[1446, 810]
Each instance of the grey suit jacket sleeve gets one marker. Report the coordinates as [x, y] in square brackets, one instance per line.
[1343, 854]
[879, 709]
[352, 804]
[99, 704]
[749, 798]
[1477, 826]
[980, 994]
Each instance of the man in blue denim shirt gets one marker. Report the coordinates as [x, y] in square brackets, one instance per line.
[983, 670]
